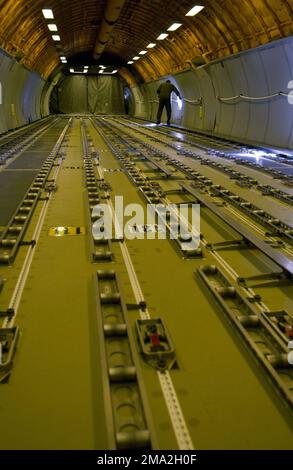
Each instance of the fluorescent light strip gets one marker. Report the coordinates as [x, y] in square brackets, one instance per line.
[136, 58]
[162, 36]
[56, 37]
[52, 27]
[195, 10]
[62, 57]
[48, 14]
[130, 62]
[115, 71]
[143, 52]
[174, 27]
[71, 70]
[151, 45]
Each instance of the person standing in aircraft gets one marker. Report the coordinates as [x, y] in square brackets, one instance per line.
[164, 93]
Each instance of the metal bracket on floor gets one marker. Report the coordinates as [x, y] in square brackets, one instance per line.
[7, 313]
[140, 306]
[172, 191]
[272, 279]
[155, 343]
[229, 245]
[8, 343]
[282, 322]
[28, 243]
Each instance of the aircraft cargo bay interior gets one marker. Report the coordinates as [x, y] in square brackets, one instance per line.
[146, 227]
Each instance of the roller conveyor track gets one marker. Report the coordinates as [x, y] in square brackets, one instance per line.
[268, 346]
[100, 246]
[115, 343]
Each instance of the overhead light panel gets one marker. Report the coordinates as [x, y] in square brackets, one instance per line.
[174, 26]
[48, 14]
[162, 36]
[64, 61]
[101, 71]
[56, 37]
[136, 58]
[115, 71]
[195, 10]
[143, 52]
[151, 45]
[86, 67]
[102, 66]
[62, 57]
[130, 62]
[52, 27]
[71, 70]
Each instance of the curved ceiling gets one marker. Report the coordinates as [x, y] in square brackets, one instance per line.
[223, 28]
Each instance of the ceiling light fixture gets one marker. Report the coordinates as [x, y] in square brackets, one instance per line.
[151, 45]
[174, 26]
[71, 70]
[143, 52]
[52, 27]
[115, 71]
[195, 10]
[56, 37]
[130, 62]
[136, 58]
[48, 14]
[162, 36]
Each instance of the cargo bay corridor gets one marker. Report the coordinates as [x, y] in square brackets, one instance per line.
[74, 373]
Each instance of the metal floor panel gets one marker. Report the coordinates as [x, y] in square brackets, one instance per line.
[45, 144]
[31, 159]
[13, 186]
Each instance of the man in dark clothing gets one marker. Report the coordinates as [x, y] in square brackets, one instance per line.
[164, 93]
